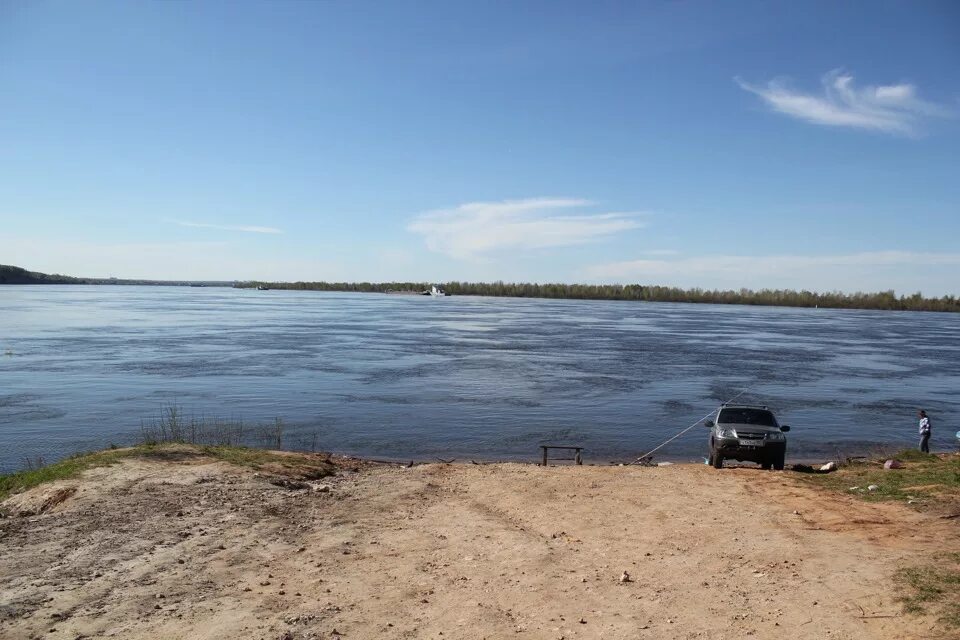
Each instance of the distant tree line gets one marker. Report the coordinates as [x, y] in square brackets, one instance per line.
[17, 275]
[886, 300]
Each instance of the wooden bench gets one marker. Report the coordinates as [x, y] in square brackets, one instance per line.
[577, 459]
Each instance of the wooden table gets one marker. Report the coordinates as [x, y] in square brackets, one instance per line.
[577, 459]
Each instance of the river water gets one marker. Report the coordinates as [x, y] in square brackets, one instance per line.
[406, 377]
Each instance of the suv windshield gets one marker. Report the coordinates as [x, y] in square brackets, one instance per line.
[746, 416]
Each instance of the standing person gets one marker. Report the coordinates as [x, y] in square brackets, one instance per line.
[924, 432]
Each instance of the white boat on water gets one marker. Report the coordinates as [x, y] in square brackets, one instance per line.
[435, 292]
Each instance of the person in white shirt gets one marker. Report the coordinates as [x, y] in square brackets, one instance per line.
[924, 432]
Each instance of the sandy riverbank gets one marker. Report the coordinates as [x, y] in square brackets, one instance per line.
[185, 546]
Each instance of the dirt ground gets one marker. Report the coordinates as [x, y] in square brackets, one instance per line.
[195, 548]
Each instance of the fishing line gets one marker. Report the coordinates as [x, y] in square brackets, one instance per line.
[666, 442]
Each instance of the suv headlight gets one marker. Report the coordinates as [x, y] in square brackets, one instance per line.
[776, 436]
[728, 433]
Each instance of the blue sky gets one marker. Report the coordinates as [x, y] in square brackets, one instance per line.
[802, 145]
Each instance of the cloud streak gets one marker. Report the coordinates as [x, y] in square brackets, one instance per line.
[893, 109]
[474, 229]
[185, 260]
[226, 227]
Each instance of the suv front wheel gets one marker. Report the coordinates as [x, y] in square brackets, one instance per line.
[778, 462]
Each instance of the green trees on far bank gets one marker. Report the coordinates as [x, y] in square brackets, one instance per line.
[15, 275]
[886, 300]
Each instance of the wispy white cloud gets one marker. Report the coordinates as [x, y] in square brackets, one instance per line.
[226, 227]
[206, 260]
[476, 228]
[874, 270]
[894, 109]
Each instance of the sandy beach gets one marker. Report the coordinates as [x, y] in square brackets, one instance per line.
[181, 545]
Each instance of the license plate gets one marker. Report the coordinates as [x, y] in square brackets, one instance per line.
[751, 443]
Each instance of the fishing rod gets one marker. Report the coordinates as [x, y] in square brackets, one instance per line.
[668, 441]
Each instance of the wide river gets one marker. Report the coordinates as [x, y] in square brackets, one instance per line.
[405, 377]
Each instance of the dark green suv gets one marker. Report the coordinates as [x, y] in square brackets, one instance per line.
[747, 433]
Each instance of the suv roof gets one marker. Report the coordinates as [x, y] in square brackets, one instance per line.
[737, 405]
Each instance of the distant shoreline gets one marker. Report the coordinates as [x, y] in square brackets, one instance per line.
[879, 301]
[10, 275]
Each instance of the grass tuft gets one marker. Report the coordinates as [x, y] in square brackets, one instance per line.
[304, 466]
[173, 425]
[70, 467]
[933, 589]
[926, 480]
[301, 465]
[912, 455]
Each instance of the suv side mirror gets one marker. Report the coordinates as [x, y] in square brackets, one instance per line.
[708, 424]
[785, 428]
